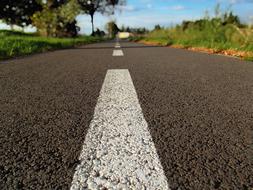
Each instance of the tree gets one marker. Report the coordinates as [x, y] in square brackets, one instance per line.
[134, 30]
[18, 12]
[128, 29]
[99, 33]
[112, 29]
[57, 18]
[157, 27]
[103, 6]
[230, 18]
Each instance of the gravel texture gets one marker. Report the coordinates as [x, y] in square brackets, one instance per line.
[118, 151]
[46, 105]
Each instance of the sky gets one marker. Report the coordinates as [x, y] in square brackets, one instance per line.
[148, 13]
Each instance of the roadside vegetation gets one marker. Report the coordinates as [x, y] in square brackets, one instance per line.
[55, 23]
[14, 44]
[223, 33]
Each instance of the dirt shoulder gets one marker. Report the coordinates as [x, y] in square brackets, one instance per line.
[246, 55]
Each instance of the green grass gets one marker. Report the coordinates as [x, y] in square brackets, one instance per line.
[221, 37]
[14, 43]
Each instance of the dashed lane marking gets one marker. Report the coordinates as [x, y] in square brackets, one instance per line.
[117, 53]
[118, 152]
[117, 45]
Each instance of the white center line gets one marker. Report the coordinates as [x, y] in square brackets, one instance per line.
[118, 152]
[117, 53]
[117, 45]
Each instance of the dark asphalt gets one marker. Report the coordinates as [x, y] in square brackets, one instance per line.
[199, 108]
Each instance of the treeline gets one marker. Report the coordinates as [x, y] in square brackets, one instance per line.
[141, 30]
[227, 18]
[56, 18]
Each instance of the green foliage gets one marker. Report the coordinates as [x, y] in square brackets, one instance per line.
[17, 43]
[160, 36]
[157, 27]
[99, 33]
[54, 18]
[222, 32]
[18, 12]
[137, 31]
[112, 29]
[136, 38]
[57, 21]
[230, 18]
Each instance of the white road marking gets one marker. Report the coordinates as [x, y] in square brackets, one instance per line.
[117, 45]
[118, 152]
[117, 53]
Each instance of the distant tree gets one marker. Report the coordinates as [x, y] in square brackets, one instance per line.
[103, 6]
[158, 27]
[123, 28]
[128, 29]
[186, 25]
[112, 29]
[142, 30]
[230, 18]
[18, 12]
[99, 33]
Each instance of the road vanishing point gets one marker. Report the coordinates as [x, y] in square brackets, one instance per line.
[123, 115]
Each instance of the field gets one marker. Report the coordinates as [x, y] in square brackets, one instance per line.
[14, 43]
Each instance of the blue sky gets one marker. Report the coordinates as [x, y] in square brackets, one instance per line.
[147, 13]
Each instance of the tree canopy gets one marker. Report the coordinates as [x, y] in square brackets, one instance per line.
[18, 12]
[103, 6]
[57, 18]
[112, 29]
[53, 17]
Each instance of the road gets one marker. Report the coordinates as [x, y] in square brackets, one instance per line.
[194, 109]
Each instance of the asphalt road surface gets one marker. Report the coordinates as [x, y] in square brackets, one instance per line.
[198, 109]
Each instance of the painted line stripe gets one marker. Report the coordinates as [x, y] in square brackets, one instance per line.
[118, 152]
[117, 45]
[117, 53]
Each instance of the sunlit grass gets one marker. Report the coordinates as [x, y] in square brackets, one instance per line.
[228, 37]
[17, 43]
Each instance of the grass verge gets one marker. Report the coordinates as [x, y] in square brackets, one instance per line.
[212, 36]
[13, 44]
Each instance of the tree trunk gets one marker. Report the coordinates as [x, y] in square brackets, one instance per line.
[92, 24]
